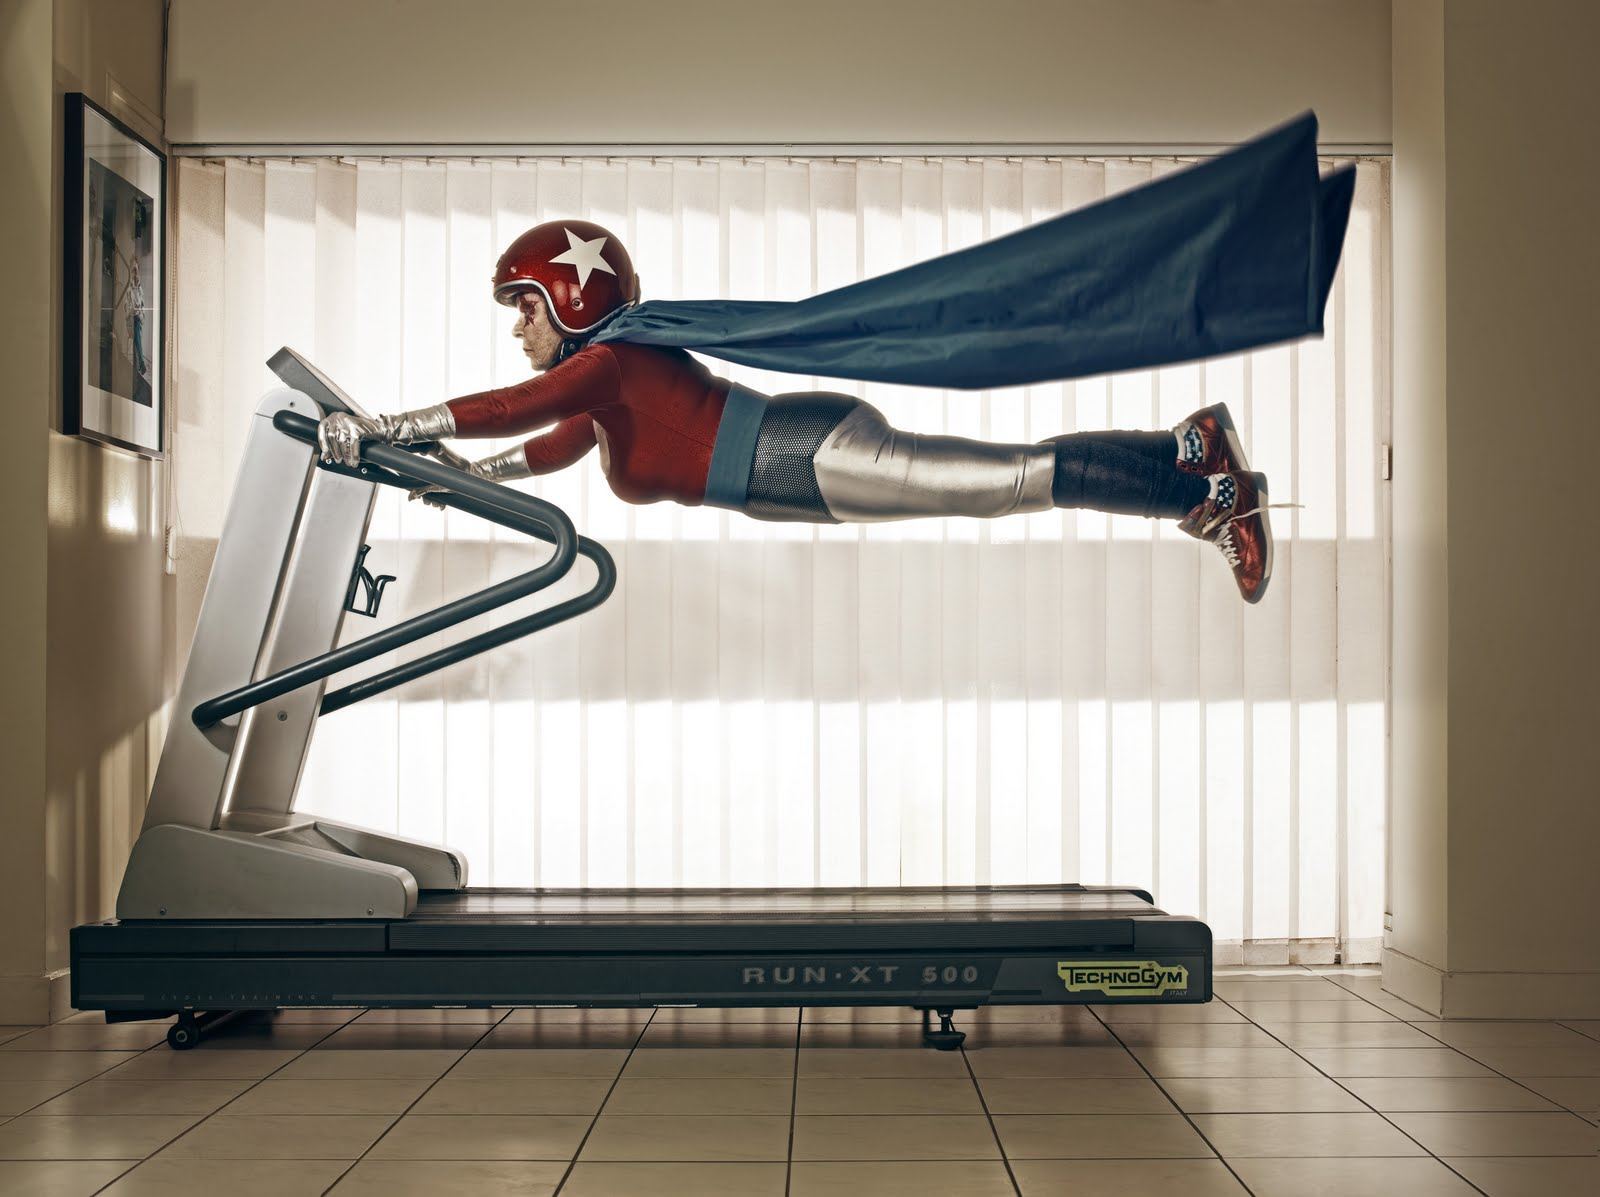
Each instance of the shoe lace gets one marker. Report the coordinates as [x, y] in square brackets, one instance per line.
[1224, 540]
[1262, 507]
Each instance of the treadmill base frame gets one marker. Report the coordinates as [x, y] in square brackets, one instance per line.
[1053, 945]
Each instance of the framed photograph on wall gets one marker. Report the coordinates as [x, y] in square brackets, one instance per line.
[114, 281]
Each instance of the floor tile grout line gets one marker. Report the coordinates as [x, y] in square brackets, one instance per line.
[1154, 1080]
[255, 1084]
[1357, 994]
[1422, 1027]
[335, 1028]
[100, 1076]
[204, 1118]
[426, 1089]
[794, 1101]
[80, 1084]
[1507, 1076]
[1312, 1064]
[595, 1121]
[854, 1115]
[1005, 1159]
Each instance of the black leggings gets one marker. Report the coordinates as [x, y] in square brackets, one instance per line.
[1125, 473]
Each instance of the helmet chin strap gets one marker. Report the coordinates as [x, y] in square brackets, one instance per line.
[570, 344]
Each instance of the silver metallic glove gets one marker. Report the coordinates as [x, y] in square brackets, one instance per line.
[504, 465]
[339, 436]
[501, 467]
[450, 458]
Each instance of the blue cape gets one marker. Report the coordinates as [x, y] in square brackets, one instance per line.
[1230, 254]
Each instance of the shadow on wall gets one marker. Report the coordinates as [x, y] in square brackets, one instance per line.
[110, 638]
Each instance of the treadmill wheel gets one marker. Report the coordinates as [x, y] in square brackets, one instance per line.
[185, 1033]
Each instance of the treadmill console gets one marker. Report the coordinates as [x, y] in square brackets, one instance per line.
[300, 375]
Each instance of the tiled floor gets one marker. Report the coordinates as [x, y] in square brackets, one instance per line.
[1294, 1082]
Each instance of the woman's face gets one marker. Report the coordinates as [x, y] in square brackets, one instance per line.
[540, 340]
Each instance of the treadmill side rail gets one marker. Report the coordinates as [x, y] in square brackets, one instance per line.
[179, 872]
[433, 867]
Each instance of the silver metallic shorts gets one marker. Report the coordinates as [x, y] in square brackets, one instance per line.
[828, 458]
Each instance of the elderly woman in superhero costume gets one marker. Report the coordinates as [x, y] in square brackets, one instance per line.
[667, 428]
[1226, 255]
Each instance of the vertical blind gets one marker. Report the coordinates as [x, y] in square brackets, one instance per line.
[1051, 697]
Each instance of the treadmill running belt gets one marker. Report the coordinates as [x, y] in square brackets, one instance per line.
[981, 903]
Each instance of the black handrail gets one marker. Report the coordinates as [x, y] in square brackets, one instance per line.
[465, 492]
[605, 582]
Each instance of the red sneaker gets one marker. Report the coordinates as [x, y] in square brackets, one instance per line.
[1234, 518]
[1208, 443]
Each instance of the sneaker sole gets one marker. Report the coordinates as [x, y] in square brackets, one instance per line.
[1260, 481]
[1230, 434]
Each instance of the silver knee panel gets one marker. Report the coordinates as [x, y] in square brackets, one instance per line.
[868, 471]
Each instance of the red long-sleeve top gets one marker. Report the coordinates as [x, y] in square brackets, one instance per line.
[654, 413]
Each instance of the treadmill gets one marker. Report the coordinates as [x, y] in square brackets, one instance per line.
[235, 901]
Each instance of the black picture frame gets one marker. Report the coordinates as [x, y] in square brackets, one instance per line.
[114, 317]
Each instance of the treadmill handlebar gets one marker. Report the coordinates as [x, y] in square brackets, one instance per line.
[465, 492]
[605, 582]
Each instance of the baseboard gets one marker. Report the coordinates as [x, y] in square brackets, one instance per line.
[60, 995]
[1266, 953]
[24, 1001]
[1414, 981]
[1522, 995]
[35, 1001]
[1462, 994]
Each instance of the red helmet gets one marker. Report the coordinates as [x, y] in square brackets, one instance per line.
[581, 270]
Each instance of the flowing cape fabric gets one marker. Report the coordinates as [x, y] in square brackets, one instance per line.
[1230, 254]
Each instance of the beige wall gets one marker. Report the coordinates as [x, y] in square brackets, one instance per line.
[1506, 250]
[26, 204]
[1522, 100]
[698, 71]
[110, 625]
[87, 619]
[1418, 817]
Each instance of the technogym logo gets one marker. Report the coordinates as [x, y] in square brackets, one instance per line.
[1128, 978]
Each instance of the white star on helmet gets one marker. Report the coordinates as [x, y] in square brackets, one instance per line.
[583, 256]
